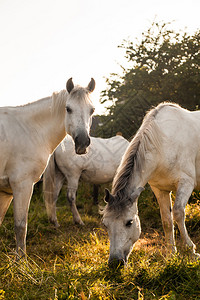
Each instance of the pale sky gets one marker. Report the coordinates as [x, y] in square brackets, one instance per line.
[45, 42]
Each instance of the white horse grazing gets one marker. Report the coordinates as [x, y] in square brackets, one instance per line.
[28, 135]
[97, 166]
[166, 153]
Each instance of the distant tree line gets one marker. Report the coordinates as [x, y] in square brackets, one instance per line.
[164, 66]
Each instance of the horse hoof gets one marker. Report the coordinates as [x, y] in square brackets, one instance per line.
[55, 223]
[80, 222]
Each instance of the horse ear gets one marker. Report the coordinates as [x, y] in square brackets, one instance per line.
[108, 196]
[136, 194]
[69, 85]
[91, 85]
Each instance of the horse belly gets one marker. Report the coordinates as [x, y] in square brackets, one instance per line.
[97, 176]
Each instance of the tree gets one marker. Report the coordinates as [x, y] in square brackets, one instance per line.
[164, 66]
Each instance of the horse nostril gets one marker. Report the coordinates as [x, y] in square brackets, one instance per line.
[76, 140]
[82, 141]
[116, 263]
[88, 141]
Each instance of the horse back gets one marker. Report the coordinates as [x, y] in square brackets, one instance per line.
[180, 147]
[180, 128]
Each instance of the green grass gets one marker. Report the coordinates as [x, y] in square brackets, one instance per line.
[71, 262]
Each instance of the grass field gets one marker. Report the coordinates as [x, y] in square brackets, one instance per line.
[71, 262]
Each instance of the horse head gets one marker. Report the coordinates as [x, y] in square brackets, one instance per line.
[79, 110]
[123, 226]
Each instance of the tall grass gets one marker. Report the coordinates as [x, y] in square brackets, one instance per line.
[71, 262]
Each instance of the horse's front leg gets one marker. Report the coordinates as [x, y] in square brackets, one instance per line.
[165, 204]
[71, 196]
[183, 193]
[22, 192]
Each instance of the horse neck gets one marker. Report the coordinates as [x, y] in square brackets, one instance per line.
[135, 169]
[144, 167]
[139, 178]
[47, 118]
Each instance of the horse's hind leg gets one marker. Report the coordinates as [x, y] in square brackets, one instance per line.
[5, 200]
[50, 201]
[183, 193]
[165, 204]
[71, 196]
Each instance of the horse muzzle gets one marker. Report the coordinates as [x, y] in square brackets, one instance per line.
[82, 141]
[116, 263]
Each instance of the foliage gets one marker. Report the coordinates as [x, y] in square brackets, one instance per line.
[71, 262]
[163, 66]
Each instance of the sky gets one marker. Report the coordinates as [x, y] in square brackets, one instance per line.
[45, 42]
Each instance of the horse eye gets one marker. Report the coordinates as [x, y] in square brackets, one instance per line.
[68, 109]
[129, 223]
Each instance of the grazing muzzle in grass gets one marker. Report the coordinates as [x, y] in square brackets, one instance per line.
[116, 263]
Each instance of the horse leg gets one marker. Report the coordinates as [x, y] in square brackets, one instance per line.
[95, 193]
[184, 190]
[71, 196]
[50, 202]
[165, 204]
[22, 193]
[5, 200]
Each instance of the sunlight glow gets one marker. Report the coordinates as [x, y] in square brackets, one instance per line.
[43, 43]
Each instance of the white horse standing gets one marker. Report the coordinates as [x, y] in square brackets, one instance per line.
[28, 135]
[98, 166]
[166, 153]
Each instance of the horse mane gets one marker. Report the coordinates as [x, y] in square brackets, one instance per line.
[59, 103]
[147, 137]
[54, 104]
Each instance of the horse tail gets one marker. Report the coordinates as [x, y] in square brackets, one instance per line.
[49, 182]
